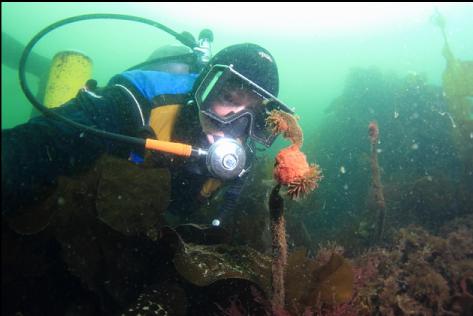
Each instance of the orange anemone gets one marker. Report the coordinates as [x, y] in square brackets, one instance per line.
[292, 170]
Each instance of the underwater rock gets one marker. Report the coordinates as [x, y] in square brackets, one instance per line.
[108, 264]
[203, 265]
[417, 143]
[422, 274]
[163, 299]
[431, 200]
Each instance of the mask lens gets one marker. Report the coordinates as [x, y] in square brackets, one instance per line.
[238, 128]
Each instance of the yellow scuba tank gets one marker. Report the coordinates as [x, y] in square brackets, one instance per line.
[68, 73]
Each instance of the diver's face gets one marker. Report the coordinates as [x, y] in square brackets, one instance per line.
[224, 110]
[228, 103]
[231, 102]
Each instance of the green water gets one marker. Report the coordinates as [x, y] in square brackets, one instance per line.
[341, 67]
[315, 45]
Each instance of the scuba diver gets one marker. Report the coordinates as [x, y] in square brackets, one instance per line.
[228, 100]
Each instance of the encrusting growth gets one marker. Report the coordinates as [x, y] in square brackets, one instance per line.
[291, 168]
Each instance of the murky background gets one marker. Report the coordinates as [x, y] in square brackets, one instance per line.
[341, 67]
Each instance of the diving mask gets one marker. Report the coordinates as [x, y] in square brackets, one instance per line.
[225, 97]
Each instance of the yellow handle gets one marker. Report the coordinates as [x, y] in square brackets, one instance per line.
[169, 147]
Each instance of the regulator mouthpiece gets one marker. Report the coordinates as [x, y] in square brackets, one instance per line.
[226, 159]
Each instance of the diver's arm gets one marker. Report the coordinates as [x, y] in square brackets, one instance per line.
[36, 153]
